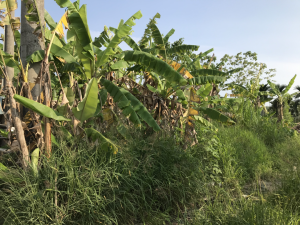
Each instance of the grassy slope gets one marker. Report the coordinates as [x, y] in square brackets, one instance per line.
[242, 175]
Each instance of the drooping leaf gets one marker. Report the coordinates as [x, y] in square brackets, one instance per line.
[216, 115]
[60, 52]
[157, 65]
[206, 79]
[40, 108]
[141, 110]
[121, 100]
[182, 49]
[87, 107]
[158, 40]
[131, 43]
[208, 72]
[104, 142]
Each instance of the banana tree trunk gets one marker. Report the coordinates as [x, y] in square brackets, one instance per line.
[280, 112]
[31, 43]
[9, 44]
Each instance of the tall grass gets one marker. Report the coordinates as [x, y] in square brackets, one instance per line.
[153, 180]
[147, 181]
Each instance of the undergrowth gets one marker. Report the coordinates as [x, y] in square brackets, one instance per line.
[243, 174]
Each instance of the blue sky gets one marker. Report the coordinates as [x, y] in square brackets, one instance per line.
[271, 28]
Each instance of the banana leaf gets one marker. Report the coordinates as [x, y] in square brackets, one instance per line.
[206, 79]
[119, 65]
[158, 40]
[289, 85]
[169, 34]
[123, 30]
[104, 142]
[131, 43]
[87, 107]
[157, 65]
[216, 115]
[205, 123]
[40, 108]
[182, 49]
[208, 72]
[121, 100]
[141, 110]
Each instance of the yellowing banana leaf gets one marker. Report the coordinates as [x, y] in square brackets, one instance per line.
[87, 107]
[11, 5]
[193, 112]
[157, 65]
[108, 115]
[59, 27]
[193, 96]
[40, 108]
[182, 71]
[104, 142]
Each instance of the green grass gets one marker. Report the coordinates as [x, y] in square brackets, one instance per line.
[152, 180]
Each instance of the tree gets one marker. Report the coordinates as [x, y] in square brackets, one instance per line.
[9, 44]
[250, 67]
[281, 91]
[30, 42]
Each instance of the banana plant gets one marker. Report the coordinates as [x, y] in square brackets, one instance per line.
[281, 96]
[253, 91]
